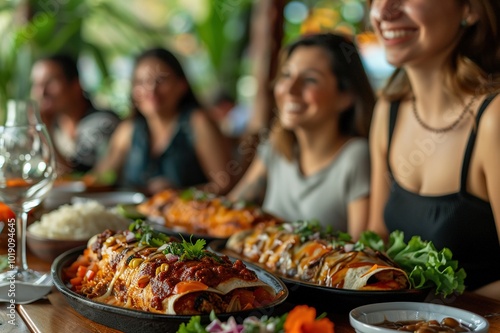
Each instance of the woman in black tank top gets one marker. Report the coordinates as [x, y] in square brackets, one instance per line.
[434, 140]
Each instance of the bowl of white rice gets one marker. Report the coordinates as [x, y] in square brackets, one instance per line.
[71, 226]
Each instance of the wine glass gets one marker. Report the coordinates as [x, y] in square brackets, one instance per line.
[27, 172]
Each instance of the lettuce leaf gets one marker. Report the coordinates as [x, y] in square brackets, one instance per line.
[425, 265]
[371, 240]
[193, 326]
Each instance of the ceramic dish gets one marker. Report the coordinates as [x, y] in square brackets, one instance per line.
[48, 249]
[364, 318]
[327, 298]
[110, 199]
[128, 320]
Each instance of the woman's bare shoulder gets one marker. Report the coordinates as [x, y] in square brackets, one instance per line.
[125, 128]
[123, 133]
[491, 117]
[489, 125]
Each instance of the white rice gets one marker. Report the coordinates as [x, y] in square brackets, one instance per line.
[78, 221]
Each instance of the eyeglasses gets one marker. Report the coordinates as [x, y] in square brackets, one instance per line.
[152, 82]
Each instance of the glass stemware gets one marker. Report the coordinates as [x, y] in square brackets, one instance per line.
[27, 172]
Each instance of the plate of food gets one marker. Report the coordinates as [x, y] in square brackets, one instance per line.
[70, 226]
[140, 280]
[158, 223]
[315, 263]
[111, 199]
[201, 214]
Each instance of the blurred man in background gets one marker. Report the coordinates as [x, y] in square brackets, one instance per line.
[79, 131]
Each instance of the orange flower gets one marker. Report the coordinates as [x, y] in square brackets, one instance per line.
[302, 319]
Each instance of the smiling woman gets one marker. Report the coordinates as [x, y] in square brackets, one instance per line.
[435, 128]
[316, 163]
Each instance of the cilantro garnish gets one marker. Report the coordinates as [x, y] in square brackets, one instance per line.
[148, 236]
[187, 250]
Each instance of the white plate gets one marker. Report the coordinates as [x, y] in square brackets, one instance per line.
[363, 318]
[110, 199]
[61, 194]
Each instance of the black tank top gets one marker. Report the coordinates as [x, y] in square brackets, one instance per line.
[459, 221]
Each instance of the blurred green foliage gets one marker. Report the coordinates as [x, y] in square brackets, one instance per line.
[211, 36]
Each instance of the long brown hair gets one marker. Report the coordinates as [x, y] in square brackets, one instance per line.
[474, 65]
[347, 67]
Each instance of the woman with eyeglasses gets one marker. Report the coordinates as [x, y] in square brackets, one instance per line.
[168, 141]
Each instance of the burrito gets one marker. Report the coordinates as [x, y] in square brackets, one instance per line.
[194, 211]
[178, 278]
[319, 260]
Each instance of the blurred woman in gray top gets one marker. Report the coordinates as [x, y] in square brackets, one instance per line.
[315, 164]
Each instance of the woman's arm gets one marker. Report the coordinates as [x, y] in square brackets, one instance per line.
[214, 154]
[486, 145]
[380, 185]
[491, 290]
[252, 187]
[357, 216]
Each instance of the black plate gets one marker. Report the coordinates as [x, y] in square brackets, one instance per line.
[128, 320]
[327, 298]
[158, 225]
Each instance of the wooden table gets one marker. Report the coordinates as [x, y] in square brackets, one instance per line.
[54, 314]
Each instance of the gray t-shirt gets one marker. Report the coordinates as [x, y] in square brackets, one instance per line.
[324, 195]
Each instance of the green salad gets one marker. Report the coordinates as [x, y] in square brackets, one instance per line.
[426, 266]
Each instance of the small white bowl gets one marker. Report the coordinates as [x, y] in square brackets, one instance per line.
[364, 318]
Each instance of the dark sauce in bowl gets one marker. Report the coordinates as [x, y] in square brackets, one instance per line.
[448, 324]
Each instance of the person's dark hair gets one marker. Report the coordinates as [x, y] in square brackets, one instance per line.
[67, 63]
[347, 67]
[168, 58]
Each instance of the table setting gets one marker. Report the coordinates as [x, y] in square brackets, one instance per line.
[149, 236]
[63, 316]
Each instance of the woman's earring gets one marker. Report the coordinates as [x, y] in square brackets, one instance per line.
[464, 23]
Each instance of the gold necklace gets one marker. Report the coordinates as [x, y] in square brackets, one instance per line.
[442, 129]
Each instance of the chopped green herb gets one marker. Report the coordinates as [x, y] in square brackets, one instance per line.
[188, 251]
[148, 236]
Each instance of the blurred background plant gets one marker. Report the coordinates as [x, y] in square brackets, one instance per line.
[212, 36]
